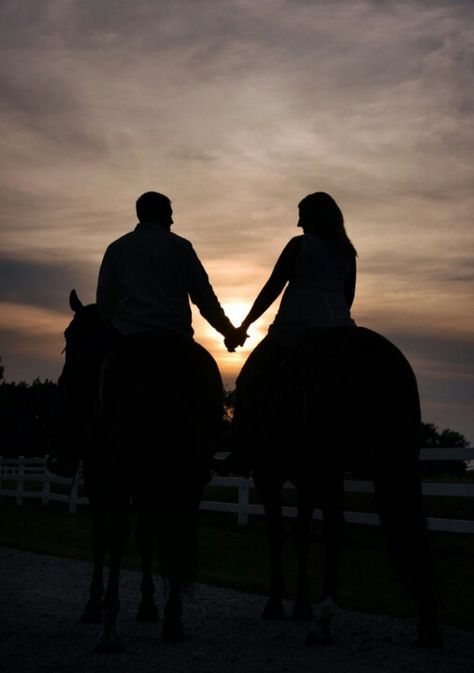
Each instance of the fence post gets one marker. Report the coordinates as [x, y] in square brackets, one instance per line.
[73, 494]
[243, 514]
[20, 485]
[46, 483]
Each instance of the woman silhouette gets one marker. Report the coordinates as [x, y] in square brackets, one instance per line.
[320, 395]
[319, 271]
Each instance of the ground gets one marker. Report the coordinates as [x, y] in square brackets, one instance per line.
[42, 598]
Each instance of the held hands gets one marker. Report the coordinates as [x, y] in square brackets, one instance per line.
[236, 338]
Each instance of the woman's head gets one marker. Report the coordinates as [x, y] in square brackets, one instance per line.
[320, 214]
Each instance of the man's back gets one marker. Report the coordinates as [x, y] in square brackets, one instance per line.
[148, 273]
[147, 278]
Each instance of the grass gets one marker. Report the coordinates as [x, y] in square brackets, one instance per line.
[237, 557]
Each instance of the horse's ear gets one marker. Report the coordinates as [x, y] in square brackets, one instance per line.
[74, 302]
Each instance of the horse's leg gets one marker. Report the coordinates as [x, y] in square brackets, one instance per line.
[144, 539]
[302, 539]
[332, 508]
[92, 613]
[94, 486]
[178, 548]
[398, 492]
[118, 529]
[330, 489]
[173, 631]
[177, 554]
[269, 490]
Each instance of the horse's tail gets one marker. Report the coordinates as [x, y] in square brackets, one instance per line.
[163, 397]
[173, 522]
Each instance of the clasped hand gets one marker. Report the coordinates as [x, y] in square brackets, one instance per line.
[235, 338]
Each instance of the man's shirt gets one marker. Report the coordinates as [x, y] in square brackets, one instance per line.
[146, 280]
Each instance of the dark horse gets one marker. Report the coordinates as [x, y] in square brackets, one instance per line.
[150, 406]
[347, 399]
[77, 441]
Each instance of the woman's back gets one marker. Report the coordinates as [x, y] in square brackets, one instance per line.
[315, 296]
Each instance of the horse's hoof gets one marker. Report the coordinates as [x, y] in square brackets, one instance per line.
[314, 638]
[92, 614]
[108, 642]
[173, 632]
[302, 611]
[430, 638]
[321, 627]
[147, 612]
[109, 638]
[274, 611]
[108, 647]
[90, 618]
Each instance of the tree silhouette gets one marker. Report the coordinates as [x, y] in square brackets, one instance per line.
[27, 417]
[433, 438]
[28, 414]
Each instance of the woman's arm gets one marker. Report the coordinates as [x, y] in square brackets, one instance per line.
[278, 279]
[350, 284]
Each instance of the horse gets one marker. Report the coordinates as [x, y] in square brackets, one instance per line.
[345, 399]
[76, 442]
[153, 416]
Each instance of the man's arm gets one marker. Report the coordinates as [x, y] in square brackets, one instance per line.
[107, 295]
[270, 291]
[203, 296]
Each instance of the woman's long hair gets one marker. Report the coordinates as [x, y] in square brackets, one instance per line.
[324, 217]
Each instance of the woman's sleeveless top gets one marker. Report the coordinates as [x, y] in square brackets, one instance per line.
[314, 297]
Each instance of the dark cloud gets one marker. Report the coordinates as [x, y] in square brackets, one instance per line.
[452, 272]
[444, 366]
[44, 285]
[237, 109]
[445, 370]
[450, 355]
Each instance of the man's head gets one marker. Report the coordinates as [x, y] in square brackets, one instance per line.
[154, 207]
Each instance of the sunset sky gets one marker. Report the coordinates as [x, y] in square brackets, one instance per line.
[236, 109]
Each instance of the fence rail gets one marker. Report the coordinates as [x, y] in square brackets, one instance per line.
[22, 478]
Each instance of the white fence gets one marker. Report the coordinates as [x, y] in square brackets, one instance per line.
[28, 478]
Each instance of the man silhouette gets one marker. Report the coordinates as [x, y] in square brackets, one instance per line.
[148, 275]
[161, 394]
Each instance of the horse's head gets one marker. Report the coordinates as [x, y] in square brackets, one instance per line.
[85, 326]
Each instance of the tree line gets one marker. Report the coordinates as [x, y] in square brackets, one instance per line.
[28, 413]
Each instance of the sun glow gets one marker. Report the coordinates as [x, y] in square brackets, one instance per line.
[236, 311]
[230, 364]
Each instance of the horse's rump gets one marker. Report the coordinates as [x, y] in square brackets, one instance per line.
[161, 402]
[344, 389]
[161, 415]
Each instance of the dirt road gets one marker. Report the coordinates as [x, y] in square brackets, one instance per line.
[42, 598]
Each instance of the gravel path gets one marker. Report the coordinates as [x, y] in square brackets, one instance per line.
[42, 596]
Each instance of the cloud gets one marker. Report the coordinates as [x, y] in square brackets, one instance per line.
[451, 273]
[236, 110]
[444, 367]
[42, 285]
[31, 341]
